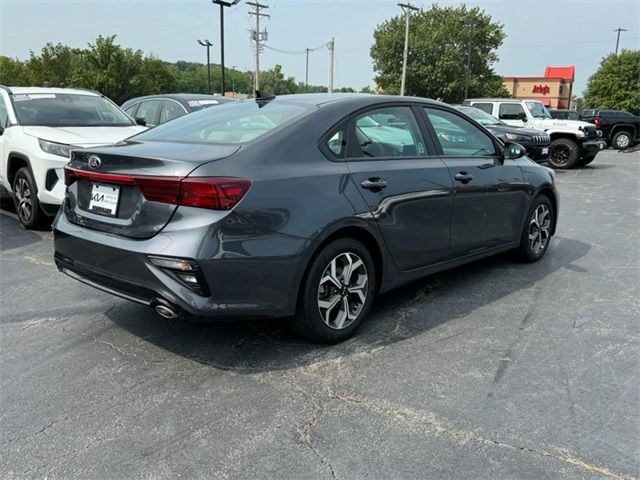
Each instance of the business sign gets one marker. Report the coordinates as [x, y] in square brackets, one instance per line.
[541, 89]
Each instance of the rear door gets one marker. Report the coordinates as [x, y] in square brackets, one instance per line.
[490, 193]
[406, 187]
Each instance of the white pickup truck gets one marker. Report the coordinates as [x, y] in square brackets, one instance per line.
[573, 142]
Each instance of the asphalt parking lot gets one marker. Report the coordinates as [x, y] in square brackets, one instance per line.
[496, 370]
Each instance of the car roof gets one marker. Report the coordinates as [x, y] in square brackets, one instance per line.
[320, 99]
[34, 90]
[514, 100]
[184, 97]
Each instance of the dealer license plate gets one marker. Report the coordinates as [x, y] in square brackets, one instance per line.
[104, 199]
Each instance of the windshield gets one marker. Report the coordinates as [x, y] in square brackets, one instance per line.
[480, 116]
[537, 110]
[233, 123]
[68, 110]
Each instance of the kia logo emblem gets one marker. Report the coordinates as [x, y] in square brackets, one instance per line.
[94, 161]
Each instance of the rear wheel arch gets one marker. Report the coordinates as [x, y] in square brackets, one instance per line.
[358, 233]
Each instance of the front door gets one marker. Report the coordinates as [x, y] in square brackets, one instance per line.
[490, 193]
[406, 187]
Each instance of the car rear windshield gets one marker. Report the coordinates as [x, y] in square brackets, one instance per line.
[232, 123]
[68, 110]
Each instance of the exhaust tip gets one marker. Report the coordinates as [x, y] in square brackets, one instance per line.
[166, 311]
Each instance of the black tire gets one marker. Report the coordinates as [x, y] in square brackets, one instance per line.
[587, 159]
[563, 153]
[25, 199]
[527, 249]
[621, 140]
[309, 321]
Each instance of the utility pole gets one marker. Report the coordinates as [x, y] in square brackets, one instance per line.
[406, 8]
[256, 36]
[332, 48]
[208, 44]
[306, 72]
[223, 4]
[618, 39]
[466, 79]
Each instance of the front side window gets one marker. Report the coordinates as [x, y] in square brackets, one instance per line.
[537, 110]
[388, 132]
[233, 123]
[132, 109]
[511, 111]
[171, 110]
[149, 110]
[68, 110]
[459, 137]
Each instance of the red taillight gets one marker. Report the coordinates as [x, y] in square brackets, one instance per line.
[218, 193]
[598, 121]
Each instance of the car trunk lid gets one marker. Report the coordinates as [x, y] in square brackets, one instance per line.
[131, 189]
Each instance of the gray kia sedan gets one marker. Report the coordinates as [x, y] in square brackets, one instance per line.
[300, 206]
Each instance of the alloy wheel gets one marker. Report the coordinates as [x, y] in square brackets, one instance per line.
[623, 141]
[539, 229]
[24, 202]
[342, 291]
[561, 154]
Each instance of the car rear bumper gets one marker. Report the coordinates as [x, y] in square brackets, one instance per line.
[260, 284]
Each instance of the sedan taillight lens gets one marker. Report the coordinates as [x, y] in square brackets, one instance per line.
[217, 193]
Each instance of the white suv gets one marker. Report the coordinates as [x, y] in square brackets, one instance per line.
[38, 129]
[573, 143]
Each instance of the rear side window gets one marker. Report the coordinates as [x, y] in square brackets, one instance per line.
[387, 132]
[485, 107]
[234, 123]
[510, 111]
[459, 137]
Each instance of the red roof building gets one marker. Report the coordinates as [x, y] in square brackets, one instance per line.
[554, 89]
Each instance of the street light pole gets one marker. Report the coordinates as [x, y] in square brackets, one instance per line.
[223, 4]
[406, 8]
[306, 72]
[466, 79]
[208, 45]
[618, 39]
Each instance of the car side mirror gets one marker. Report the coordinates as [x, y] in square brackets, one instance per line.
[513, 151]
[523, 117]
[140, 121]
[1, 130]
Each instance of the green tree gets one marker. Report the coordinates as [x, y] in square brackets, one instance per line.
[366, 89]
[616, 83]
[111, 70]
[13, 72]
[439, 40]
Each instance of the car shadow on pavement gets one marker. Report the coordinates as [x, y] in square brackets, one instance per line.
[12, 235]
[265, 345]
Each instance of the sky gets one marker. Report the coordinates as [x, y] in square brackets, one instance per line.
[539, 32]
